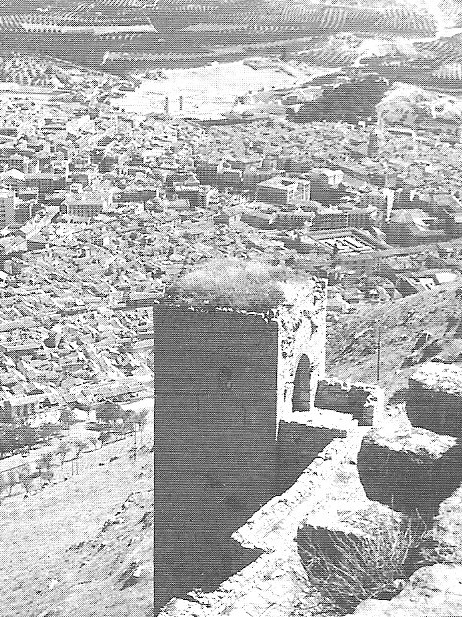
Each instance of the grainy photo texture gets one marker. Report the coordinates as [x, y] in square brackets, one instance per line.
[231, 308]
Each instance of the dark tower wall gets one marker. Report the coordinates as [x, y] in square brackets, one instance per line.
[215, 430]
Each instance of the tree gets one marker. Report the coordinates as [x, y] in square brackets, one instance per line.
[79, 445]
[139, 419]
[26, 478]
[62, 451]
[3, 485]
[12, 478]
[44, 465]
[93, 440]
[105, 438]
[110, 412]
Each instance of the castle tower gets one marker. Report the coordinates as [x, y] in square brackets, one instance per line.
[224, 378]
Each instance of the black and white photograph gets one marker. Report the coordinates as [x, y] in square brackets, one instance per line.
[231, 308]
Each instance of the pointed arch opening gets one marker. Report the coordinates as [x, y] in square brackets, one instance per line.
[301, 395]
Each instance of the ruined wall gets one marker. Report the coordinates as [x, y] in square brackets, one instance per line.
[298, 445]
[364, 402]
[302, 333]
[403, 467]
[275, 584]
[434, 399]
[410, 470]
[430, 469]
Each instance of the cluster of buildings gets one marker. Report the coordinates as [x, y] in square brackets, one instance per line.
[101, 210]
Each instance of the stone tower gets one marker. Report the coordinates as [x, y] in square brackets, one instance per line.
[224, 379]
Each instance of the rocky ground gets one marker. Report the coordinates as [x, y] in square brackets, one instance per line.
[421, 327]
[83, 546]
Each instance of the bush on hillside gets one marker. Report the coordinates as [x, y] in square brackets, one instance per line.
[231, 283]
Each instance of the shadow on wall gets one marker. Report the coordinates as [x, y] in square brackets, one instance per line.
[298, 446]
[435, 410]
[193, 536]
[201, 561]
[302, 389]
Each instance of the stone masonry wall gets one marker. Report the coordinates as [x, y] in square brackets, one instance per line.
[302, 332]
[298, 445]
[275, 584]
[364, 402]
[410, 470]
[215, 431]
[434, 399]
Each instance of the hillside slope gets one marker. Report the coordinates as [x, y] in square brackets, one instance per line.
[421, 327]
[112, 574]
[83, 546]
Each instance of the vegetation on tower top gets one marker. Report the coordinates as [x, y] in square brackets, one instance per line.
[249, 285]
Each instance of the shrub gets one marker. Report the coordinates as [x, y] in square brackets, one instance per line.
[44, 465]
[26, 477]
[3, 485]
[347, 568]
[93, 441]
[80, 445]
[12, 478]
[62, 451]
[231, 283]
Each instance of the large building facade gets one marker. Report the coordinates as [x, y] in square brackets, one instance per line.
[85, 205]
[283, 191]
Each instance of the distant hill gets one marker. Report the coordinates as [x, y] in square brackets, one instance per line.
[123, 35]
[350, 101]
[86, 31]
[405, 103]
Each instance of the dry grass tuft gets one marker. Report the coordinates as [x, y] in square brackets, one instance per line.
[231, 283]
[348, 569]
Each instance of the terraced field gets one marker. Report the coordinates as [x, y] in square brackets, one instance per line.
[131, 27]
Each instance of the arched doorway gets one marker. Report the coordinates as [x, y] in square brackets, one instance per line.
[301, 395]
